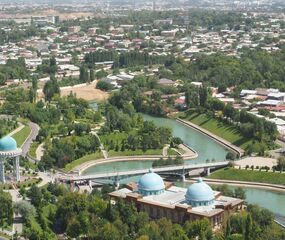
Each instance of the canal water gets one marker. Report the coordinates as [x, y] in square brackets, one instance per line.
[207, 149]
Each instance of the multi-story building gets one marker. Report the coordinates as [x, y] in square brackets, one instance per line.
[162, 199]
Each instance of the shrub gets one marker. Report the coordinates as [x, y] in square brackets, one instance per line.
[231, 156]
[105, 86]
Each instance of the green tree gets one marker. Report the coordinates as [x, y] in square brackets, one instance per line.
[92, 74]
[51, 88]
[6, 209]
[248, 228]
[200, 229]
[35, 194]
[26, 209]
[84, 74]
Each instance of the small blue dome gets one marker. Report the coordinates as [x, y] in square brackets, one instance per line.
[150, 184]
[200, 194]
[8, 144]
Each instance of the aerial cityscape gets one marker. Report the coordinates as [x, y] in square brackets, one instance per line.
[142, 120]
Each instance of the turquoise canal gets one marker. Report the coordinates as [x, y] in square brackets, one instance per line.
[207, 149]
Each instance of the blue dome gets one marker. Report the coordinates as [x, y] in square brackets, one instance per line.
[8, 144]
[200, 194]
[150, 184]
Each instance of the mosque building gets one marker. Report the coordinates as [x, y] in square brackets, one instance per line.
[162, 199]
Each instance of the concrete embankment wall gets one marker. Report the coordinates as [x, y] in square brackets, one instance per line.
[220, 140]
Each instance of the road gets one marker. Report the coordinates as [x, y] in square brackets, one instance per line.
[34, 133]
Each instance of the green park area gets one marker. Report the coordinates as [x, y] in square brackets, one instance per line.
[128, 144]
[221, 129]
[249, 176]
[22, 135]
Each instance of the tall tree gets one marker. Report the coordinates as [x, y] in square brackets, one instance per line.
[51, 88]
[6, 209]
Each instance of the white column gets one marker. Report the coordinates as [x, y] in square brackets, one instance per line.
[2, 170]
[208, 171]
[17, 168]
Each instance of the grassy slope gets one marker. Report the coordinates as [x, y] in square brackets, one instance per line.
[223, 130]
[93, 156]
[249, 176]
[22, 135]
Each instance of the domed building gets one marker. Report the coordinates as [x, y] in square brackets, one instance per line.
[8, 149]
[162, 199]
[150, 184]
[200, 194]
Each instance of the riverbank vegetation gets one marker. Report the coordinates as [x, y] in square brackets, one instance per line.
[86, 158]
[249, 176]
[168, 162]
[225, 190]
[255, 135]
[220, 128]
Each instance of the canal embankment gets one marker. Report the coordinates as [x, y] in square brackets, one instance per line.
[188, 153]
[240, 152]
[266, 186]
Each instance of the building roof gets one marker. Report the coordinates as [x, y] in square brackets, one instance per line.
[8, 144]
[199, 191]
[270, 102]
[165, 81]
[151, 182]
[174, 196]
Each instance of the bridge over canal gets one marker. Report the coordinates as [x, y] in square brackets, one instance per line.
[181, 170]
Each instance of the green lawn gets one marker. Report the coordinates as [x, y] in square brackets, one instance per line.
[28, 182]
[22, 135]
[137, 152]
[221, 129]
[86, 158]
[170, 151]
[249, 176]
[116, 137]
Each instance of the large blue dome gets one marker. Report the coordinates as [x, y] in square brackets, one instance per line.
[150, 184]
[8, 144]
[200, 194]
